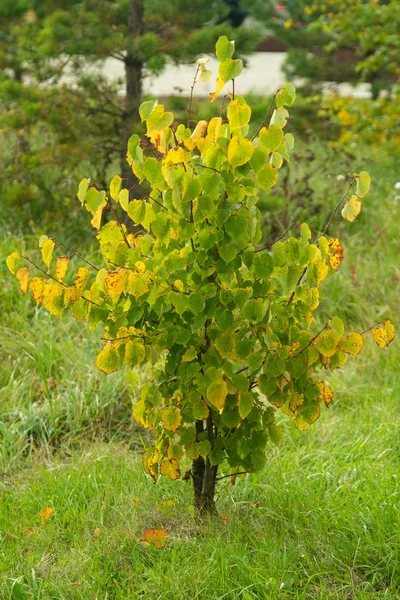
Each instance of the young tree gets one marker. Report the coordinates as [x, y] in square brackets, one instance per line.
[227, 325]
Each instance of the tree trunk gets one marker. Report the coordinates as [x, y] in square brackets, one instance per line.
[133, 71]
[204, 476]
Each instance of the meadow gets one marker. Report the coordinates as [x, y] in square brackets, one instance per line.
[322, 521]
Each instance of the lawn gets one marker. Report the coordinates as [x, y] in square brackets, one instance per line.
[321, 522]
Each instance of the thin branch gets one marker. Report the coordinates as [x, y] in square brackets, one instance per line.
[191, 95]
[232, 475]
[233, 89]
[54, 279]
[279, 238]
[310, 342]
[267, 116]
[119, 224]
[338, 205]
[73, 253]
[372, 326]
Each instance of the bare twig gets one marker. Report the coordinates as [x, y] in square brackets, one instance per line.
[338, 205]
[279, 238]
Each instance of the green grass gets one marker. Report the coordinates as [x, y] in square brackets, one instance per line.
[322, 520]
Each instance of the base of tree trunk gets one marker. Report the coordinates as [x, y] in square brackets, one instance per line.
[204, 480]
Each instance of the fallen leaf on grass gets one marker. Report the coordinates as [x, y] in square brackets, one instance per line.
[156, 537]
[45, 514]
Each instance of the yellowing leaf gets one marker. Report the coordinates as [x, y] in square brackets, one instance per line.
[53, 298]
[327, 343]
[81, 277]
[47, 252]
[23, 276]
[36, 285]
[351, 209]
[363, 183]
[217, 393]
[158, 119]
[171, 417]
[325, 393]
[115, 283]
[108, 359]
[170, 468]
[239, 114]
[319, 270]
[11, 261]
[166, 506]
[45, 514]
[155, 537]
[240, 151]
[134, 353]
[352, 343]
[61, 267]
[271, 138]
[383, 336]
[335, 253]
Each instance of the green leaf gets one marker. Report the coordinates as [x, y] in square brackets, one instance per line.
[227, 252]
[280, 117]
[230, 69]
[216, 393]
[115, 187]
[267, 177]
[225, 343]
[200, 410]
[224, 49]
[240, 151]
[274, 365]
[196, 302]
[363, 183]
[146, 108]
[271, 138]
[94, 199]
[259, 159]
[82, 189]
[327, 343]
[246, 400]
[239, 114]
[254, 310]
[286, 96]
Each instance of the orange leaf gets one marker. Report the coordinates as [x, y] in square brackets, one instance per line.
[157, 537]
[45, 514]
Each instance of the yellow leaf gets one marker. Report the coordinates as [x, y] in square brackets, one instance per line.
[23, 276]
[335, 253]
[36, 286]
[81, 277]
[170, 468]
[115, 283]
[12, 260]
[352, 343]
[47, 252]
[61, 267]
[156, 537]
[141, 267]
[96, 533]
[383, 336]
[96, 219]
[218, 89]
[53, 298]
[225, 517]
[325, 393]
[45, 514]
[199, 130]
[166, 506]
